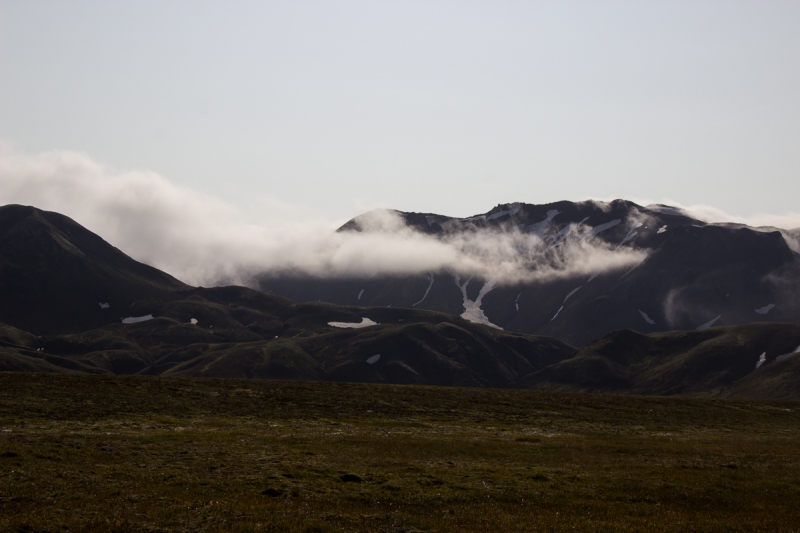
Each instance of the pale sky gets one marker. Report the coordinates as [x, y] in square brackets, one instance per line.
[446, 107]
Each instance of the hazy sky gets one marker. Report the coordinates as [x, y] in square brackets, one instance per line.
[448, 107]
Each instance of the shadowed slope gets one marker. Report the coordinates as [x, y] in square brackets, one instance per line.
[55, 274]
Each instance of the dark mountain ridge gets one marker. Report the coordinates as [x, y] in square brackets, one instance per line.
[52, 272]
[56, 276]
[693, 274]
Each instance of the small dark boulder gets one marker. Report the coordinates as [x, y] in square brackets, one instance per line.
[350, 478]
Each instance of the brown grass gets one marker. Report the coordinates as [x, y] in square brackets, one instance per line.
[93, 453]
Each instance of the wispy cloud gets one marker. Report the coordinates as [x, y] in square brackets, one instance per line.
[711, 214]
[203, 240]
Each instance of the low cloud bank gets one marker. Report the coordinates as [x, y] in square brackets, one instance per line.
[204, 241]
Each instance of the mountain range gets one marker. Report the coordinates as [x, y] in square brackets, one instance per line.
[691, 274]
[71, 302]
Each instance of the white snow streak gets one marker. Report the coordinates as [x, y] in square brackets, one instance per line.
[360, 293]
[516, 302]
[374, 359]
[761, 360]
[602, 227]
[647, 318]
[662, 229]
[135, 319]
[631, 234]
[430, 278]
[573, 291]
[193, 321]
[540, 228]
[104, 305]
[365, 322]
[784, 356]
[764, 310]
[708, 324]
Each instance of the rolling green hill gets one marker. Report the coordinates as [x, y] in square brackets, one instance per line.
[722, 361]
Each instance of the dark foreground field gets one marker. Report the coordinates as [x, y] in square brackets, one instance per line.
[96, 453]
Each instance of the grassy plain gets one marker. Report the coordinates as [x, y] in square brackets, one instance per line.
[98, 453]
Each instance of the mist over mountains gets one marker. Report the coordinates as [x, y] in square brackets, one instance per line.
[71, 302]
[203, 240]
[577, 270]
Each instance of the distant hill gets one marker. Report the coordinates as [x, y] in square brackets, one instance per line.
[73, 303]
[238, 332]
[759, 360]
[695, 275]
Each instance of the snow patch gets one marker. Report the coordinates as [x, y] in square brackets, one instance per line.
[360, 293]
[761, 360]
[472, 309]
[631, 234]
[374, 359]
[193, 321]
[784, 356]
[430, 220]
[647, 318]
[662, 229]
[764, 310]
[104, 305]
[516, 302]
[135, 319]
[540, 228]
[430, 278]
[562, 235]
[708, 324]
[365, 322]
[602, 227]
[573, 291]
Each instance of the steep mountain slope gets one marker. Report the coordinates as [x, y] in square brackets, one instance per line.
[56, 276]
[693, 275]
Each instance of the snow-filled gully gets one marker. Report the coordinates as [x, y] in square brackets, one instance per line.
[472, 309]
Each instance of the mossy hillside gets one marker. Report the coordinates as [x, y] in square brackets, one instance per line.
[108, 453]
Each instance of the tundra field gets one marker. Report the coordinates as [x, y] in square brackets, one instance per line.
[110, 453]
